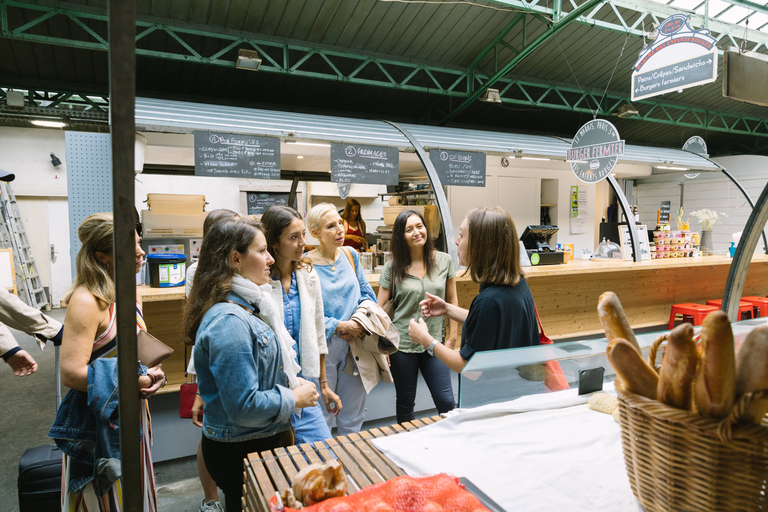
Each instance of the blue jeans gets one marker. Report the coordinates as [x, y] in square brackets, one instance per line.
[311, 427]
[405, 372]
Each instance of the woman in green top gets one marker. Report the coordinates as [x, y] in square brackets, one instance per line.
[417, 268]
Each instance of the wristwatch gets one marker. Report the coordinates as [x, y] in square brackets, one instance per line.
[431, 347]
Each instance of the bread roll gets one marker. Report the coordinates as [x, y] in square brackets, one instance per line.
[678, 368]
[602, 402]
[752, 372]
[715, 387]
[635, 374]
[614, 320]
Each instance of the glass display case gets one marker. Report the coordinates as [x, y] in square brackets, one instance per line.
[503, 375]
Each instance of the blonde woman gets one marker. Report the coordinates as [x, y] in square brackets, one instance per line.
[89, 368]
[344, 286]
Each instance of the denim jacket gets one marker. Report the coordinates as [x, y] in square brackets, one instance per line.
[86, 427]
[240, 375]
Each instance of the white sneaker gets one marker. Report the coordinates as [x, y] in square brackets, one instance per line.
[211, 506]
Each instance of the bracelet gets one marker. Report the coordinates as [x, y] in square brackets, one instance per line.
[197, 393]
[151, 378]
[323, 381]
[165, 380]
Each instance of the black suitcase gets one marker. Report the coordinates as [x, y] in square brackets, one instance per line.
[40, 479]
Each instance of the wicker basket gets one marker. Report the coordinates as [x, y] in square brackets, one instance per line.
[678, 460]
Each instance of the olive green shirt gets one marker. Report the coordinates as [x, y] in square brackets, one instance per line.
[411, 291]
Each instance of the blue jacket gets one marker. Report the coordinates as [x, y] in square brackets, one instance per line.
[86, 426]
[240, 375]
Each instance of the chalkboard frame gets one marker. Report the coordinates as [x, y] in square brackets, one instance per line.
[350, 151]
[244, 198]
[239, 169]
[440, 158]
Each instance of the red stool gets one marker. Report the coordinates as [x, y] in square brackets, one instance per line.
[744, 307]
[759, 305]
[692, 313]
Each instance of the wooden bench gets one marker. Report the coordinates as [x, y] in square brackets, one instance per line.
[273, 470]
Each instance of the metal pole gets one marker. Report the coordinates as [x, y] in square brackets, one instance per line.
[122, 98]
[437, 188]
[734, 284]
[628, 214]
[749, 200]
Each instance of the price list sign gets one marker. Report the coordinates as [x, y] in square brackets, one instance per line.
[237, 155]
[357, 163]
[258, 202]
[462, 168]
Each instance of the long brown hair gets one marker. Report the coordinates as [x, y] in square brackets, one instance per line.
[347, 213]
[401, 256]
[215, 270]
[95, 233]
[275, 219]
[494, 250]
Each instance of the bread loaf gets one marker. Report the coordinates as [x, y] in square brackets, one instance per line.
[614, 320]
[715, 386]
[633, 372]
[752, 372]
[678, 368]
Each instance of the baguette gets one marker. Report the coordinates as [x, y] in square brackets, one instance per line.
[614, 320]
[715, 385]
[678, 368]
[633, 372]
[752, 372]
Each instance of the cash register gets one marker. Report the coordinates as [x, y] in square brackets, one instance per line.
[536, 242]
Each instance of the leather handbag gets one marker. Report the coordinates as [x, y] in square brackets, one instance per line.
[187, 393]
[151, 350]
[554, 377]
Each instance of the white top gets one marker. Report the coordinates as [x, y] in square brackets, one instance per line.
[187, 288]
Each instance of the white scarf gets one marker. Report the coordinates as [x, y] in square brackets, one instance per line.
[260, 296]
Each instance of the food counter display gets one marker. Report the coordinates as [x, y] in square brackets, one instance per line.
[565, 296]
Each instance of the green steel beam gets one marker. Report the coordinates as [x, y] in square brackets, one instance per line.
[521, 55]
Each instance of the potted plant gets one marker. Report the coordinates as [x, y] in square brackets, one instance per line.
[707, 219]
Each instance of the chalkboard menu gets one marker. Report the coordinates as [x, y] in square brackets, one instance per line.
[463, 168]
[356, 163]
[664, 212]
[237, 155]
[258, 202]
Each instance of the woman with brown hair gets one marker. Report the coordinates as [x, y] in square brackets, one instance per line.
[354, 226]
[243, 357]
[89, 368]
[503, 314]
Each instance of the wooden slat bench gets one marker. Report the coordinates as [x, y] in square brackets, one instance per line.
[272, 471]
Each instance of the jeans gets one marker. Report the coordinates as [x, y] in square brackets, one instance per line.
[405, 372]
[224, 462]
[311, 427]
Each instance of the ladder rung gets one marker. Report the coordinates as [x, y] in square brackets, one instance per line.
[38, 290]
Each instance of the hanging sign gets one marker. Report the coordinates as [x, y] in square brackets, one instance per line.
[679, 58]
[462, 168]
[237, 155]
[664, 212]
[258, 202]
[357, 163]
[595, 150]
[695, 145]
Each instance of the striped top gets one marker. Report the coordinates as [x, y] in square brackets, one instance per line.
[105, 344]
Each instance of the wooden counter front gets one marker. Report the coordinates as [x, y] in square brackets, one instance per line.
[566, 296]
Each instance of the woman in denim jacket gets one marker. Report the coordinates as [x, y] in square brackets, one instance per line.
[89, 480]
[245, 366]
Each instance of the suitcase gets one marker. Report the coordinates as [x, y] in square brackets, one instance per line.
[40, 479]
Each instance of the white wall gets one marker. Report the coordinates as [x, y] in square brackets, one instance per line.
[712, 191]
[26, 153]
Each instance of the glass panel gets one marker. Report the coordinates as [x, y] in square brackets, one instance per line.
[502, 375]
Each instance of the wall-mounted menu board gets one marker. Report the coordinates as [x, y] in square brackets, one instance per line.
[664, 212]
[258, 202]
[463, 168]
[237, 155]
[357, 163]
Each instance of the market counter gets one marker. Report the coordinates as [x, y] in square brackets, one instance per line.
[566, 296]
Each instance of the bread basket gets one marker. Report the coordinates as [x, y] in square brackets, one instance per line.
[677, 460]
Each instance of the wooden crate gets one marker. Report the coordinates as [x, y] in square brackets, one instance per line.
[272, 471]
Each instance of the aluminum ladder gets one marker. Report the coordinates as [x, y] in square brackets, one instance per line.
[12, 234]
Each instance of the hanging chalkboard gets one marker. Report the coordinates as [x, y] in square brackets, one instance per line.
[237, 155]
[463, 168]
[258, 202]
[356, 163]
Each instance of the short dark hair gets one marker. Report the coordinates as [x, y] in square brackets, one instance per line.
[494, 250]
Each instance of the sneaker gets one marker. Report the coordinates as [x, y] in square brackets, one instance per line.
[211, 506]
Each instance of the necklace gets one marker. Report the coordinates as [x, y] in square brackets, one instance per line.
[331, 263]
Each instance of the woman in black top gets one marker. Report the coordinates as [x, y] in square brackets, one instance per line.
[502, 315]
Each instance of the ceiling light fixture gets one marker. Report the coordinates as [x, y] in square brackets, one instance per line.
[670, 168]
[14, 99]
[534, 158]
[322, 145]
[490, 96]
[626, 111]
[248, 59]
[299, 157]
[49, 124]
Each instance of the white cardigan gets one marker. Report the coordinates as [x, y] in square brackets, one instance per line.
[311, 326]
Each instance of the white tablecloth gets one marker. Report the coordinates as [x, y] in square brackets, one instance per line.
[537, 453]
